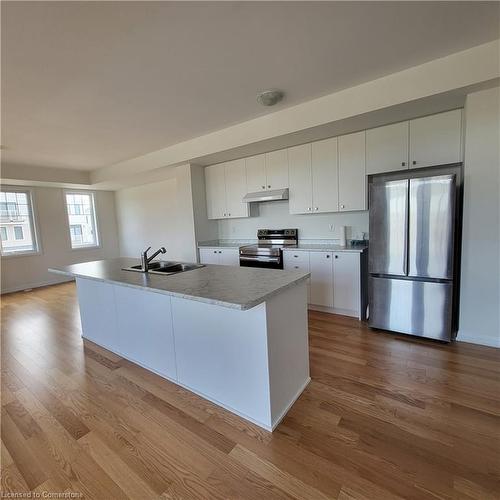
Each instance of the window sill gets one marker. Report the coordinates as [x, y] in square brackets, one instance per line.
[32, 253]
[85, 247]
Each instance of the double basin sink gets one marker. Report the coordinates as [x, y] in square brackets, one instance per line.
[165, 267]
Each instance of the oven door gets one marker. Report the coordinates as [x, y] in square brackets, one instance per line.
[269, 262]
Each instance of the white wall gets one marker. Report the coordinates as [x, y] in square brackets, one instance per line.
[169, 213]
[480, 282]
[275, 215]
[22, 272]
[147, 216]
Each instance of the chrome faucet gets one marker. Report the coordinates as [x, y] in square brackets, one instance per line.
[145, 260]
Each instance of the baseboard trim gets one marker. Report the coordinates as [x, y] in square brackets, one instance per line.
[332, 310]
[29, 286]
[486, 341]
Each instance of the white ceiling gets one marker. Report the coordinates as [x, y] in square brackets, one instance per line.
[89, 84]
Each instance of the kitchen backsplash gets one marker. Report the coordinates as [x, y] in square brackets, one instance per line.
[275, 214]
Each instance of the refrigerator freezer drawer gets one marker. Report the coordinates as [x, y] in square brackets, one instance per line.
[415, 307]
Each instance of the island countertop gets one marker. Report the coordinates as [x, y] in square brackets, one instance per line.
[226, 286]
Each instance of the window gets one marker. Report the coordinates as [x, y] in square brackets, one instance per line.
[82, 220]
[18, 233]
[16, 212]
[76, 233]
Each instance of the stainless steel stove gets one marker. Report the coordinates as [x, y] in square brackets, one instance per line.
[268, 251]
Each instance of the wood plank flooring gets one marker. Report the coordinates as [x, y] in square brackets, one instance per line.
[384, 417]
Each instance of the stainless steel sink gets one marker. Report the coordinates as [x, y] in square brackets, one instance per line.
[165, 267]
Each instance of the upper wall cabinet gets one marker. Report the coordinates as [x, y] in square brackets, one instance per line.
[277, 169]
[387, 148]
[226, 185]
[436, 139]
[267, 171]
[313, 175]
[256, 173]
[324, 168]
[299, 174]
[352, 172]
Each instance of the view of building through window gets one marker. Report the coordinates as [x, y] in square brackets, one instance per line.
[82, 224]
[16, 222]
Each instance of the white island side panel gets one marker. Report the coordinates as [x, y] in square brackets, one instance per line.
[288, 348]
[222, 354]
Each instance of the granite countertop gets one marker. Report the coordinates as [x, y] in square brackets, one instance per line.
[225, 243]
[234, 287]
[304, 246]
[326, 247]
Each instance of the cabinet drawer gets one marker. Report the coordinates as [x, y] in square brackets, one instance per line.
[296, 260]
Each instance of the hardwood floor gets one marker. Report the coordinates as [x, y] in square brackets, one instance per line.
[384, 417]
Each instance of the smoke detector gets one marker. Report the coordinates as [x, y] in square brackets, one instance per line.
[270, 97]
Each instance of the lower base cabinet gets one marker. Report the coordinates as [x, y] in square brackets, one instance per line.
[321, 270]
[346, 282]
[336, 279]
[220, 256]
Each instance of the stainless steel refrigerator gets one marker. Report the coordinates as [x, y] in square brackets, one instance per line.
[414, 254]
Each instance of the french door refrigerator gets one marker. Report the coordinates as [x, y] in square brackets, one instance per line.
[415, 220]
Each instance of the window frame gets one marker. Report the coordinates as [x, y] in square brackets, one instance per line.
[33, 220]
[92, 194]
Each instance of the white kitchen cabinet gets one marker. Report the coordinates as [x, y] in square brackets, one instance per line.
[299, 173]
[267, 171]
[321, 269]
[277, 169]
[209, 256]
[313, 177]
[97, 313]
[324, 170]
[229, 257]
[145, 336]
[256, 173]
[220, 256]
[436, 139]
[236, 189]
[226, 185]
[352, 172]
[216, 191]
[298, 261]
[346, 283]
[387, 148]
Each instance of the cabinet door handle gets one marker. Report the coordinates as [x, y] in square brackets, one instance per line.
[220, 251]
[295, 256]
[229, 215]
[403, 163]
[269, 186]
[215, 251]
[336, 256]
[342, 206]
[315, 208]
[327, 256]
[263, 187]
[296, 267]
[414, 162]
[308, 209]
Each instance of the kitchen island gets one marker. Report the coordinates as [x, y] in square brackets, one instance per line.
[235, 336]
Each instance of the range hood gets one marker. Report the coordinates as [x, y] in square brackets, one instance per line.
[271, 195]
